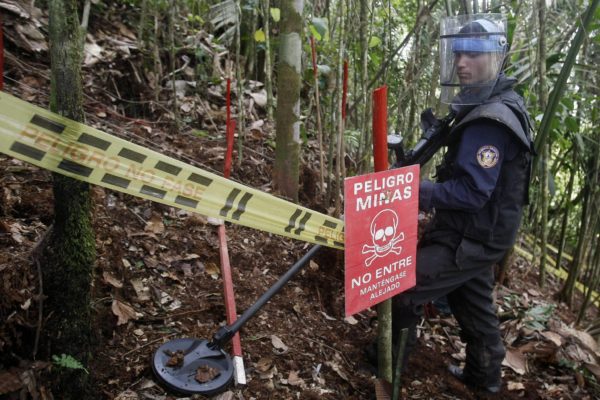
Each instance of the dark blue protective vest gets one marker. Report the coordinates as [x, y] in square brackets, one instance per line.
[496, 224]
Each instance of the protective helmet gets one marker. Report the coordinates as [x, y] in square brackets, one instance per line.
[472, 51]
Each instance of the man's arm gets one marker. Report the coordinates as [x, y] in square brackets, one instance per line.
[483, 148]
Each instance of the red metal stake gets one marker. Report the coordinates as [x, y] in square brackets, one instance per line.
[1, 55]
[380, 152]
[314, 56]
[228, 293]
[229, 153]
[228, 102]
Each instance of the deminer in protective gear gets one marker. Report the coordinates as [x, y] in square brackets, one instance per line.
[478, 196]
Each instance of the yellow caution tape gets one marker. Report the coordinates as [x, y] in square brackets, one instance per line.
[61, 145]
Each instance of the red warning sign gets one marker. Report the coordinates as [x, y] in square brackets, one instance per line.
[380, 216]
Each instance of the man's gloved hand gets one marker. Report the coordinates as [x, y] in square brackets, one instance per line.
[425, 193]
[424, 220]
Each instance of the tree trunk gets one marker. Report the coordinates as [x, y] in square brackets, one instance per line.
[365, 145]
[592, 285]
[71, 247]
[268, 68]
[566, 293]
[543, 101]
[340, 153]
[565, 218]
[287, 118]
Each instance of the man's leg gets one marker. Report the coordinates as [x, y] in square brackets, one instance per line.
[472, 306]
[437, 275]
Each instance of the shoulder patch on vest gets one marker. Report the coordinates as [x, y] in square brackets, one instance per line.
[487, 156]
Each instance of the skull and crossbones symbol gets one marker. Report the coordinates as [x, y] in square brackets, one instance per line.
[385, 235]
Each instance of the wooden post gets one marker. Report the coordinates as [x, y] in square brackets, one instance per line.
[384, 309]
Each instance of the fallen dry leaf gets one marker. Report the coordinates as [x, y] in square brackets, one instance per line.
[337, 368]
[127, 395]
[515, 360]
[175, 359]
[111, 280]
[594, 369]
[123, 311]
[553, 337]
[294, 379]
[264, 364]
[9, 382]
[155, 225]
[206, 373]
[228, 395]
[142, 292]
[515, 386]
[213, 270]
[279, 346]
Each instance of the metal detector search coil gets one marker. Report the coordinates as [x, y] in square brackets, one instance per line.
[196, 354]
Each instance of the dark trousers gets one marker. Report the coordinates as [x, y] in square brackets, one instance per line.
[465, 276]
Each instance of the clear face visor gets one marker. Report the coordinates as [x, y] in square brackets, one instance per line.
[472, 50]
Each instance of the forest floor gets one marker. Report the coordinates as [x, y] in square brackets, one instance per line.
[157, 274]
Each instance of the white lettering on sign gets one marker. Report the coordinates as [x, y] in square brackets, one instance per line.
[389, 273]
[383, 198]
[382, 191]
[393, 267]
[383, 183]
[366, 278]
[383, 286]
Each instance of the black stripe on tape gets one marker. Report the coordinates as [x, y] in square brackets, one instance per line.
[303, 222]
[229, 202]
[199, 179]
[27, 151]
[241, 206]
[75, 168]
[168, 168]
[116, 180]
[48, 124]
[292, 221]
[132, 155]
[152, 191]
[330, 224]
[101, 144]
[184, 201]
[339, 244]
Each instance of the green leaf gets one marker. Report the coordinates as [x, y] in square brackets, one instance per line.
[67, 361]
[321, 25]
[276, 14]
[374, 42]
[314, 32]
[200, 133]
[572, 124]
[259, 36]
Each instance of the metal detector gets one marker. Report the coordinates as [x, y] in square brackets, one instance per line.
[196, 366]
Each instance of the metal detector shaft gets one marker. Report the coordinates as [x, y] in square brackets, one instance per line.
[225, 333]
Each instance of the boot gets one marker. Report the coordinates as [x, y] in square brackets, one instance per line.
[459, 373]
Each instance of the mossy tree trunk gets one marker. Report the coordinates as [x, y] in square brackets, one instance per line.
[70, 255]
[287, 114]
